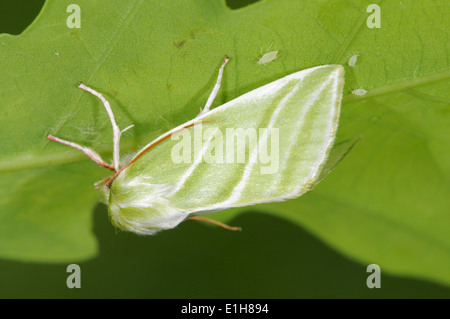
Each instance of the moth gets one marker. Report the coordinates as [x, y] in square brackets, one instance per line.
[221, 158]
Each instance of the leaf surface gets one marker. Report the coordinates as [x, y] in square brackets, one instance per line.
[156, 61]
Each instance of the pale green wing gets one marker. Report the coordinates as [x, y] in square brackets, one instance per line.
[290, 125]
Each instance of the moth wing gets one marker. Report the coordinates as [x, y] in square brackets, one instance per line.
[200, 168]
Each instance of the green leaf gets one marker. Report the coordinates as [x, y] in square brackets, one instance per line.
[156, 61]
[45, 215]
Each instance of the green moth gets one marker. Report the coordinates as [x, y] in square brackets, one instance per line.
[267, 145]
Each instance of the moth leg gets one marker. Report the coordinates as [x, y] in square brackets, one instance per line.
[216, 88]
[86, 150]
[103, 181]
[215, 222]
[116, 131]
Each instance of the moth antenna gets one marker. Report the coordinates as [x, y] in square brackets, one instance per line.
[86, 150]
[215, 222]
[216, 88]
[116, 130]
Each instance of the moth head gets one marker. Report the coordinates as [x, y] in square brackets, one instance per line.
[139, 206]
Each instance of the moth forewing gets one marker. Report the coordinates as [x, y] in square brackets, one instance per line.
[284, 130]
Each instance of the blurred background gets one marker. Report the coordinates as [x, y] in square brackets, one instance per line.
[271, 258]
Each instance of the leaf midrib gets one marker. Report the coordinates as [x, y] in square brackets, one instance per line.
[399, 86]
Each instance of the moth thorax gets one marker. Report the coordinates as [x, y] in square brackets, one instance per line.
[142, 207]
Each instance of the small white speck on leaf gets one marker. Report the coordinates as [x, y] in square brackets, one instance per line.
[359, 92]
[353, 59]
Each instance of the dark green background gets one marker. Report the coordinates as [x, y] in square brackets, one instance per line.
[271, 258]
